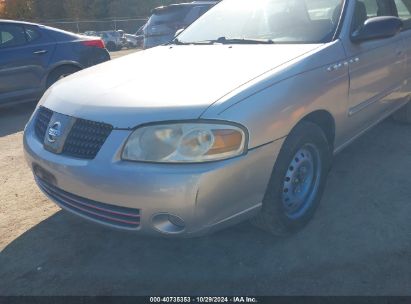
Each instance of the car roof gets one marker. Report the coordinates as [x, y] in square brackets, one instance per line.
[42, 26]
[193, 3]
[187, 4]
[18, 22]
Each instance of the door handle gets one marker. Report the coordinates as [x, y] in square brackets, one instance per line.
[41, 52]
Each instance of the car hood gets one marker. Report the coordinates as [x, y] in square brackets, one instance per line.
[164, 83]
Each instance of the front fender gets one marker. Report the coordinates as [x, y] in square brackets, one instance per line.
[271, 112]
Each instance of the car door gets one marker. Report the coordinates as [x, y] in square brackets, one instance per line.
[25, 54]
[376, 68]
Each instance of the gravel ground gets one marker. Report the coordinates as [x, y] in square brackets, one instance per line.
[358, 244]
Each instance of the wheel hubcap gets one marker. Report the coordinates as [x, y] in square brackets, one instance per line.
[302, 181]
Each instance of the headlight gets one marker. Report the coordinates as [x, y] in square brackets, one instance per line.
[185, 143]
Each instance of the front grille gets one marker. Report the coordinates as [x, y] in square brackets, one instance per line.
[120, 217]
[86, 138]
[42, 121]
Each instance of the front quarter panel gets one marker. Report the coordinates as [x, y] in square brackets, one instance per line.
[270, 112]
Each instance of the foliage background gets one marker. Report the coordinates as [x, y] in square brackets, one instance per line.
[77, 9]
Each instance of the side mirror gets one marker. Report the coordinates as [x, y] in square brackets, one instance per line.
[178, 32]
[378, 28]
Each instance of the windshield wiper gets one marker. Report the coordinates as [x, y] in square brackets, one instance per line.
[178, 42]
[224, 40]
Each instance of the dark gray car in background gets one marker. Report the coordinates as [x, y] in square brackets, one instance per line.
[33, 57]
[165, 21]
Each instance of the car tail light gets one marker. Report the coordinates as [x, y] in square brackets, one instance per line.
[95, 43]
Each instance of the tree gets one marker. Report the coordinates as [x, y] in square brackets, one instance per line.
[18, 9]
[48, 9]
[101, 8]
[44, 10]
[2, 9]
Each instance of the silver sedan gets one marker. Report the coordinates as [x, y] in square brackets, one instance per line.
[237, 118]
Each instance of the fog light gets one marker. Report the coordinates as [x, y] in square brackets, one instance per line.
[176, 221]
[168, 223]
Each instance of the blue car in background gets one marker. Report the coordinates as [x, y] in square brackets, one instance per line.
[33, 57]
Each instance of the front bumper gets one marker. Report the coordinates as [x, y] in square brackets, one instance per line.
[206, 197]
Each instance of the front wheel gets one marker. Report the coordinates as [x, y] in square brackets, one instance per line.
[297, 181]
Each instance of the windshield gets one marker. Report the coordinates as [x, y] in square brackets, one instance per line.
[277, 21]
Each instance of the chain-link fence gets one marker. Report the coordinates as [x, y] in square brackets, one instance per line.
[129, 25]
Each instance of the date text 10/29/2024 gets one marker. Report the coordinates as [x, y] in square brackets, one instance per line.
[203, 300]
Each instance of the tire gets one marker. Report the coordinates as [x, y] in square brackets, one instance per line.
[111, 46]
[403, 115]
[60, 73]
[306, 146]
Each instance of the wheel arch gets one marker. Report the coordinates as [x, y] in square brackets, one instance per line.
[325, 121]
[60, 65]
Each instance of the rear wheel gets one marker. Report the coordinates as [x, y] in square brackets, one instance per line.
[297, 182]
[111, 46]
[404, 114]
[60, 73]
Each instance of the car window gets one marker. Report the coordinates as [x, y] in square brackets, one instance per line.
[5, 37]
[12, 36]
[282, 21]
[366, 9]
[203, 10]
[404, 12]
[323, 10]
[168, 15]
[377, 8]
[195, 13]
[32, 34]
